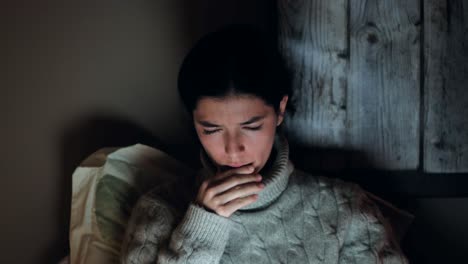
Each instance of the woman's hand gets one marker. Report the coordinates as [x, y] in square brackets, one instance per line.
[230, 190]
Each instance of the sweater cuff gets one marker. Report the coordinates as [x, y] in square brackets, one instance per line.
[205, 227]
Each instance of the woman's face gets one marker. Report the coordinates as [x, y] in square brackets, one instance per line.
[237, 130]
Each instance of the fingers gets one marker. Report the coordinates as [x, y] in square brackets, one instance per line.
[234, 205]
[235, 198]
[238, 193]
[235, 180]
[247, 169]
[231, 190]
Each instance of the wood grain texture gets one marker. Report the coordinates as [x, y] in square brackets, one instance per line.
[384, 82]
[446, 86]
[313, 36]
[356, 78]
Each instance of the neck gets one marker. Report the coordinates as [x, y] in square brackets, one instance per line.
[275, 173]
[269, 164]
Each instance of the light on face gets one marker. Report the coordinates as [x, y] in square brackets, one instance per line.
[236, 131]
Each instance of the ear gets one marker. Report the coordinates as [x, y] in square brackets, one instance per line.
[282, 109]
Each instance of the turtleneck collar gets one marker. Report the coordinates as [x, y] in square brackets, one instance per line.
[275, 177]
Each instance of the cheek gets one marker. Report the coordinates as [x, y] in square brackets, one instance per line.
[260, 143]
[212, 144]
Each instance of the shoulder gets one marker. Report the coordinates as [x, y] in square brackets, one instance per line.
[338, 190]
[152, 206]
[330, 198]
[167, 200]
[326, 202]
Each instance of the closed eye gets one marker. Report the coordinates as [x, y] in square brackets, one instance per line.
[209, 132]
[254, 128]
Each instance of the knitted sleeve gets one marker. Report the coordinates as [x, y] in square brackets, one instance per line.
[152, 236]
[369, 238]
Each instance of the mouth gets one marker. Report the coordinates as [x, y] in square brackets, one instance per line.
[234, 166]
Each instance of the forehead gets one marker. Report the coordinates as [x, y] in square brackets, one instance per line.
[230, 108]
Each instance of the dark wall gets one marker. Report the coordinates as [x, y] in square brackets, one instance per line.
[80, 76]
[77, 76]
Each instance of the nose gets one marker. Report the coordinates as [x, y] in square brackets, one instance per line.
[233, 146]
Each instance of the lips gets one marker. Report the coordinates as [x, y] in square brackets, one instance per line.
[234, 166]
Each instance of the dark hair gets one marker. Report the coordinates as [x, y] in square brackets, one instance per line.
[235, 60]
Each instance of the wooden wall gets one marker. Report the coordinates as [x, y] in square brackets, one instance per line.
[384, 81]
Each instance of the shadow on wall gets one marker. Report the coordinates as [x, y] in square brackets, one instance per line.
[81, 139]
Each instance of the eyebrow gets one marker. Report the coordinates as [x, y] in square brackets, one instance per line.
[248, 122]
[253, 120]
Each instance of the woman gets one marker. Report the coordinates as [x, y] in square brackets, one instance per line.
[249, 204]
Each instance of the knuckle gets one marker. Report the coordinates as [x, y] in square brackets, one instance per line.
[221, 211]
[216, 201]
[205, 200]
[214, 208]
[210, 193]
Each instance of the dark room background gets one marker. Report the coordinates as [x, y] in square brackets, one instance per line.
[77, 76]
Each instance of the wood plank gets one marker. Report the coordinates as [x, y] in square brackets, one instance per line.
[313, 36]
[446, 78]
[384, 83]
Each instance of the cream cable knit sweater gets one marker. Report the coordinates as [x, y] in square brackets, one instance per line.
[298, 218]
